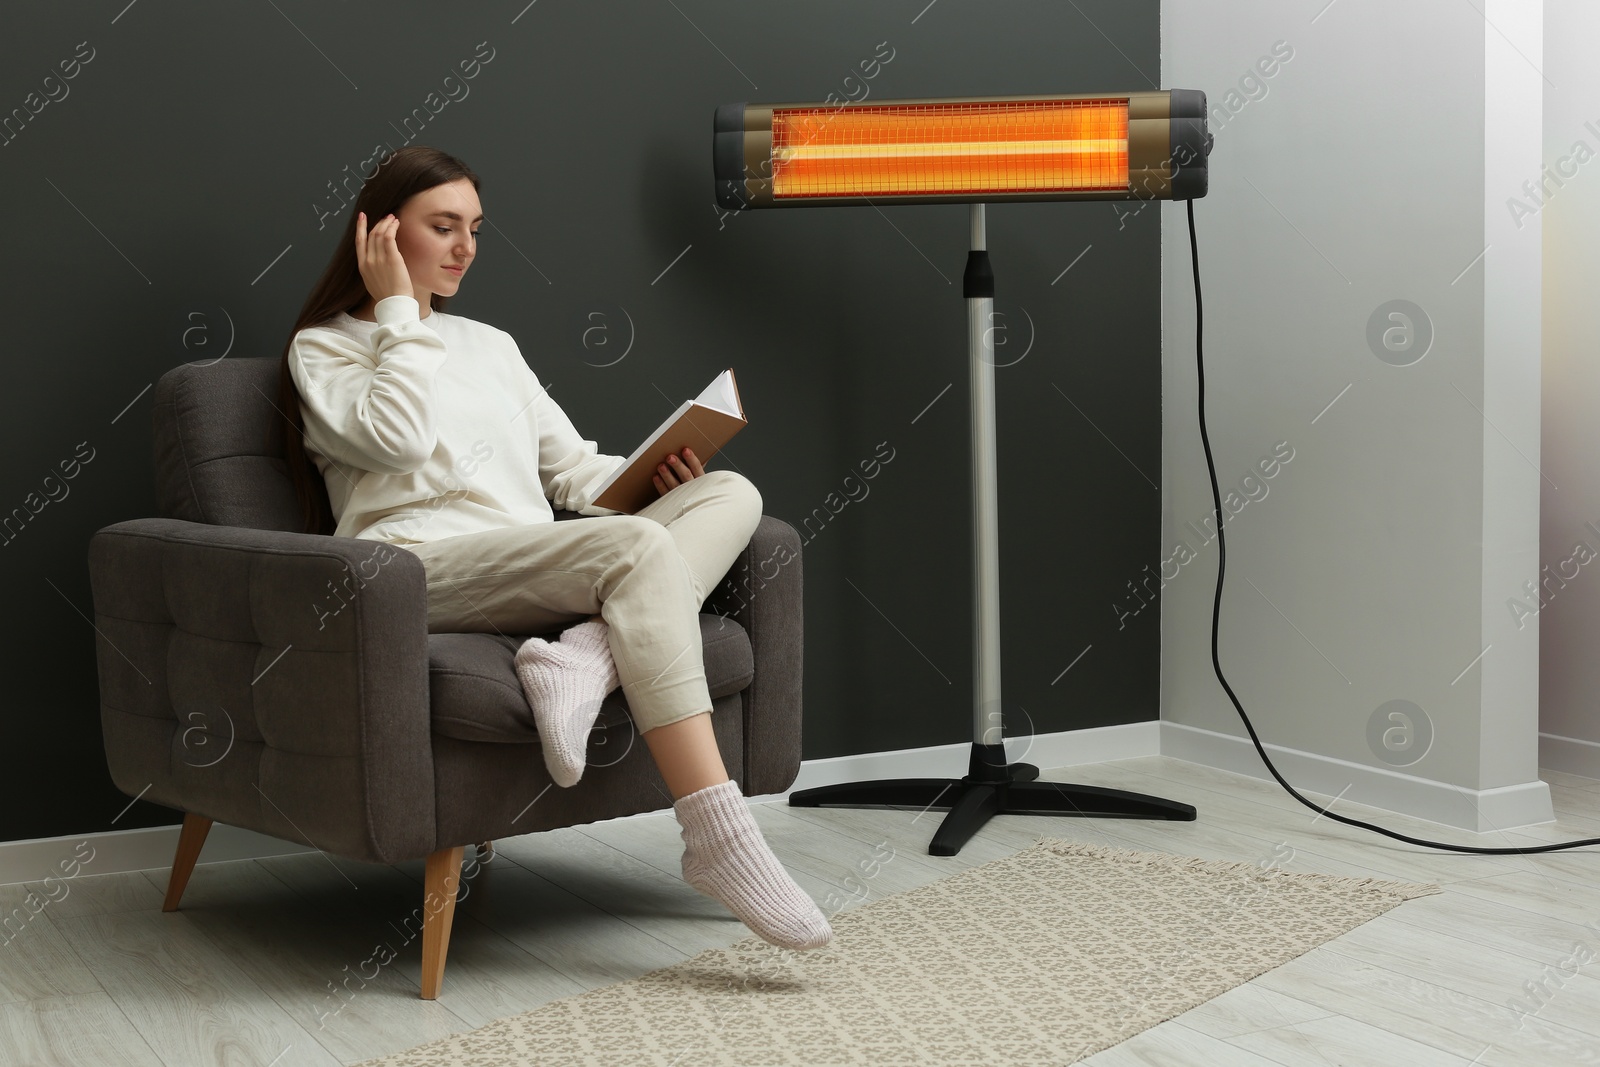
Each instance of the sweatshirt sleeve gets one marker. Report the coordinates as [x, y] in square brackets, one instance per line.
[372, 409]
[570, 468]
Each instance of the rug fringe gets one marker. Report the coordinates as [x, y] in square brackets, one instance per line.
[1404, 890]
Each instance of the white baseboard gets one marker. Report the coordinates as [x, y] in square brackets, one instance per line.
[1482, 810]
[1479, 810]
[1571, 754]
[136, 850]
[116, 851]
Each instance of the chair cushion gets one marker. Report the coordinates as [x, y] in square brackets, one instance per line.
[476, 695]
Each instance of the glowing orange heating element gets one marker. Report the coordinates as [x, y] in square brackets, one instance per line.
[943, 148]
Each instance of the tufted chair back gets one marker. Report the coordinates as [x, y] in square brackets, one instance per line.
[219, 440]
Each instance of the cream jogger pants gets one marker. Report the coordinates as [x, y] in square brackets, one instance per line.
[647, 575]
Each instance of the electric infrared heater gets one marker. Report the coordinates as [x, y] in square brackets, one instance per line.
[971, 150]
[1135, 146]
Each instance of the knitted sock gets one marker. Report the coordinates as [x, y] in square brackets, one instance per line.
[726, 858]
[565, 682]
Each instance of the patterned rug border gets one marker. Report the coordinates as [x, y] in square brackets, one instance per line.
[749, 949]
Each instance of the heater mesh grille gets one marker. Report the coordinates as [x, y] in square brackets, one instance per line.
[910, 149]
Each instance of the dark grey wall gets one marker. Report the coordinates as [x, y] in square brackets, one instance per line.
[169, 204]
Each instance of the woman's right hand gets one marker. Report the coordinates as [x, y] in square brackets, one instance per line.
[382, 266]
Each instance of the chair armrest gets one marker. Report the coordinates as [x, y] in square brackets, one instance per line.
[271, 680]
[762, 592]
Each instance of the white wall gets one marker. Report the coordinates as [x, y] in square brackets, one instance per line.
[1371, 166]
[1569, 214]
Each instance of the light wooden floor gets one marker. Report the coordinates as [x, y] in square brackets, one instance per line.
[245, 973]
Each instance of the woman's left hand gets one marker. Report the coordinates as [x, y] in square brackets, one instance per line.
[675, 471]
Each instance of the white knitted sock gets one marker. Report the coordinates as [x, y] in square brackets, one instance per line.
[726, 857]
[565, 682]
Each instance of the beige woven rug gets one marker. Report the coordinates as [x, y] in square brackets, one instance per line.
[1042, 958]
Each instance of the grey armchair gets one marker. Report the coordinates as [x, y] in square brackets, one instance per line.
[285, 682]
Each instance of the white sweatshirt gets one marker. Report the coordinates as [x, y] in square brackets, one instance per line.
[430, 428]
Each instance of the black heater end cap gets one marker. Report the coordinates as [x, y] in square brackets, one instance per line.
[1190, 144]
[727, 155]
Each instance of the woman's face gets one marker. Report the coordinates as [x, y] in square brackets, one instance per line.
[437, 232]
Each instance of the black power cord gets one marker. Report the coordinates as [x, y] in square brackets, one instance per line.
[1216, 612]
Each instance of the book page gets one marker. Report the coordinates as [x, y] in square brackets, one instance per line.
[721, 395]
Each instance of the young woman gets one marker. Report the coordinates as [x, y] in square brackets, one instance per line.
[429, 431]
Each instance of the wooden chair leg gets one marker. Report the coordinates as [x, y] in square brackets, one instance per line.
[441, 879]
[190, 840]
[485, 851]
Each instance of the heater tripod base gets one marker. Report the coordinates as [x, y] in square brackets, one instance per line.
[991, 787]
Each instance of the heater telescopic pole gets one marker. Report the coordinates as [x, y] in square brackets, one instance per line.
[988, 727]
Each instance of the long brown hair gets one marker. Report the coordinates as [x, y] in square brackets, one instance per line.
[400, 176]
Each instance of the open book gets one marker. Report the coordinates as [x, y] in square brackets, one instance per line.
[702, 425]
